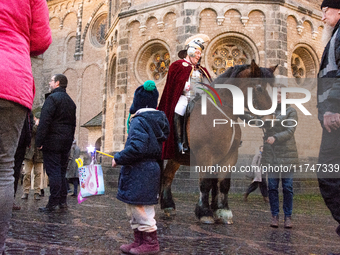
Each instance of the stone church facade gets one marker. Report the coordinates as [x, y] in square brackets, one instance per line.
[108, 48]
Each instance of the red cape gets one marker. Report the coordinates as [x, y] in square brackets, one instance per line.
[178, 75]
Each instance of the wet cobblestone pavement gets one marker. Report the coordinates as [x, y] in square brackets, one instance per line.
[100, 225]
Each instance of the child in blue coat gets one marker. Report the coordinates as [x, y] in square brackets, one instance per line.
[139, 178]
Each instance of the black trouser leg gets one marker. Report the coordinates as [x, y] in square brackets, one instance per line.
[329, 182]
[253, 186]
[18, 159]
[263, 187]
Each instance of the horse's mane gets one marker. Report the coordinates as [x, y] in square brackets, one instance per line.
[267, 73]
[233, 71]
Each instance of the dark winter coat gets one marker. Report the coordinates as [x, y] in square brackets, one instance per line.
[26, 132]
[283, 151]
[72, 167]
[139, 178]
[57, 122]
[329, 89]
[32, 152]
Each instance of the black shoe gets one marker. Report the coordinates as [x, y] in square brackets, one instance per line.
[48, 208]
[74, 195]
[62, 206]
[42, 193]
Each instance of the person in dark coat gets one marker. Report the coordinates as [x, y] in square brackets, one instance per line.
[329, 109]
[55, 136]
[24, 141]
[33, 160]
[279, 150]
[139, 178]
[72, 174]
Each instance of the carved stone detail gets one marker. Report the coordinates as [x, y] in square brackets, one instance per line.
[244, 20]
[315, 34]
[161, 26]
[142, 29]
[220, 20]
[299, 29]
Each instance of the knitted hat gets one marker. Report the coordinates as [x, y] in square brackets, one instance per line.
[146, 96]
[331, 4]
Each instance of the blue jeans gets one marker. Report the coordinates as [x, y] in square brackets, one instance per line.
[273, 192]
[12, 121]
[56, 165]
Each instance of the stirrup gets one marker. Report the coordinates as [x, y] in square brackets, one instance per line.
[183, 149]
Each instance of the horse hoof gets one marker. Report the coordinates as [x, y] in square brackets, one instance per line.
[169, 212]
[224, 216]
[207, 220]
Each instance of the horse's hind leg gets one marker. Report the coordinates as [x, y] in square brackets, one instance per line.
[168, 174]
[203, 211]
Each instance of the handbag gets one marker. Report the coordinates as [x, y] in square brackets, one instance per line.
[91, 181]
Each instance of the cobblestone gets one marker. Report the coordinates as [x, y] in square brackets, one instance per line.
[100, 225]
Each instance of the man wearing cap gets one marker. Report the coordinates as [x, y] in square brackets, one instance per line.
[55, 136]
[181, 86]
[329, 108]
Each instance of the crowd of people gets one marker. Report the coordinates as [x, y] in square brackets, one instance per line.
[45, 139]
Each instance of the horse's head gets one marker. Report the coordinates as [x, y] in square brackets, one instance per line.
[259, 78]
[262, 85]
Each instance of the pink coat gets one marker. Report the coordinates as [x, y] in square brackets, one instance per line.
[24, 32]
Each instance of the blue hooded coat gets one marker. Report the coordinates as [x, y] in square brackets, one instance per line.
[139, 179]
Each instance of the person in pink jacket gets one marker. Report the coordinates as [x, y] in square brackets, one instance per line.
[24, 32]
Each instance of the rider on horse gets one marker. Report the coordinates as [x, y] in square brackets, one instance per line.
[183, 77]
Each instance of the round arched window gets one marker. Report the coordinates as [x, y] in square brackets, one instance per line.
[99, 30]
[303, 64]
[153, 62]
[228, 52]
[159, 65]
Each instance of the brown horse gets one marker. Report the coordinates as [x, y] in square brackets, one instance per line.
[216, 146]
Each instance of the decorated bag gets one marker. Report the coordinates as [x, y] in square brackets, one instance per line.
[91, 181]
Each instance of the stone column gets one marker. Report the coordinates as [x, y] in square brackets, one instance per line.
[188, 25]
[78, 55]
[276, 39]
[121, 90]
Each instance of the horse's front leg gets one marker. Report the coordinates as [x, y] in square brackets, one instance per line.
[223, 214]
[203, 211]
[168, 174]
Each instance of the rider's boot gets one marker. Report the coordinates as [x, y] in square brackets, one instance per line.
[179, 134]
